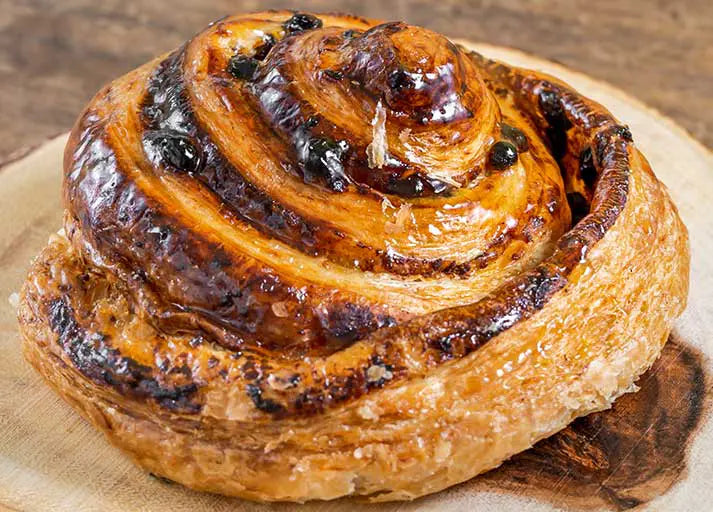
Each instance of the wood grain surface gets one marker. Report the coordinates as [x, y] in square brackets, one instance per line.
[55, 54]
[652, 450]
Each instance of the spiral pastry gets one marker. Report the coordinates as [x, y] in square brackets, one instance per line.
[309, 256]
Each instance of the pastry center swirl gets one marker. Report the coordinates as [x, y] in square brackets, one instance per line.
[295, 185]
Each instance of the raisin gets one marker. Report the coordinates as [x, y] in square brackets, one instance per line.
[502, 155]
[323, 161]
[411, 186]
[242, 67]
[178, 151]
[300, 22]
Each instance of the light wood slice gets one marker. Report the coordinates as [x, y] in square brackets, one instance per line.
[653, 449]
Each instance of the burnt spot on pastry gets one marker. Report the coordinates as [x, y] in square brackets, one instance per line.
[623, 457]
[348, 322]
[444, 345]
[550, 103]
[606, 138]
[251, 370]
[341, 388]
[94, 358]
[578, 205]
[624, 133]
[264, 404]
[530, 294]
[587, 169]
[241, 197]
[404, 265]
[557, 121]
[300, 22]
[399, 80]
[338, 389]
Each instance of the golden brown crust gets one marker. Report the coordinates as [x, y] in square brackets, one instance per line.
[307, 257]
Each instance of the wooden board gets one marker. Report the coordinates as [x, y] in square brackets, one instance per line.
[652, 449]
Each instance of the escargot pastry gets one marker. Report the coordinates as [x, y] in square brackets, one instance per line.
[310, 256]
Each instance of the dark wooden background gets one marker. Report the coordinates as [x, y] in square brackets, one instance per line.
[54, 54]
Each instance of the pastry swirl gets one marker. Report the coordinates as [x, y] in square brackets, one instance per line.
[308, 256]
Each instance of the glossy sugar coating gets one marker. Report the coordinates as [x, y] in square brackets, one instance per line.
[291, 270]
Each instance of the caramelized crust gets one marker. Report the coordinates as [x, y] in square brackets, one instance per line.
[307, 256]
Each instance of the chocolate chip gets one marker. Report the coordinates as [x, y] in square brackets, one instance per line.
[242, 67]
[516, 136]
[502, 155]
[177, 150]
[300, 22]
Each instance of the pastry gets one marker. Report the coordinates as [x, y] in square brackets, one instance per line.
[312, 256]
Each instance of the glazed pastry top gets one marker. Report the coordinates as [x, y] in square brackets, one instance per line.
[337, 204]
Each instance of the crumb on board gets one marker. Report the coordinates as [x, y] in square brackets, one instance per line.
[378, 148]
[14, 300]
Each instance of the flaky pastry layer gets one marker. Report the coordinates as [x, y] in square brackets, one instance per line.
[312, 256]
